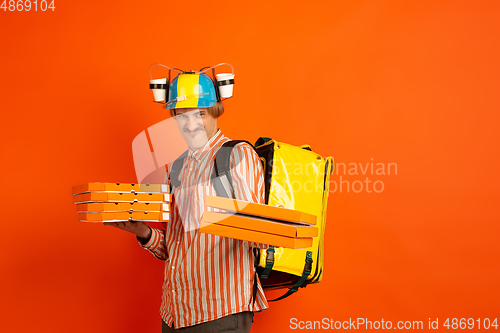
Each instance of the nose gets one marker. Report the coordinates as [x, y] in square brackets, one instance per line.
[192, 124]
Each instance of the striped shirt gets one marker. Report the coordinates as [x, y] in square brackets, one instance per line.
[206, 276]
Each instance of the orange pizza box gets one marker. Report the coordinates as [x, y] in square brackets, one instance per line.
[259, 210]
[124, 216]
[122, 207]
[294, 230]
[255, 236]
[120, 197]
[121, 188]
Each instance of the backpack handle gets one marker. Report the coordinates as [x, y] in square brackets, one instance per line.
[260, 141]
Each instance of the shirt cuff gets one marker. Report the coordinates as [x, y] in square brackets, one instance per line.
[155, 236]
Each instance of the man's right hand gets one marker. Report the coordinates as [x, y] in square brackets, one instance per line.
[140, 229]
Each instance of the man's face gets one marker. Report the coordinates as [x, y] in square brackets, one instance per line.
[196, 126]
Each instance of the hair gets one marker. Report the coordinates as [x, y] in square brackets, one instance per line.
[215, 110]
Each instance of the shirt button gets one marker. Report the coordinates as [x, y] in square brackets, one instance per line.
[173, 267]
[178, 242]
[173, 291]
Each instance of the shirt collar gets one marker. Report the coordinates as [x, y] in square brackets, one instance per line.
[199, 153]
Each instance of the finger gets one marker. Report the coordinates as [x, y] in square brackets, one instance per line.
[121, 225]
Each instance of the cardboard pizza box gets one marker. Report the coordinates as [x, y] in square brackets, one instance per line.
[260, 210]
[122, 207]
[124, 216]
[293, 230]
[120, 187]
[255, 236]
[120, 197]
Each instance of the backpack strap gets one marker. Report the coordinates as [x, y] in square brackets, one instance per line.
[254, 288]
[175, 170]
[221, 176]
[269, 263]
[303, 278]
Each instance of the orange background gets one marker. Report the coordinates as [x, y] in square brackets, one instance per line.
[407, 82]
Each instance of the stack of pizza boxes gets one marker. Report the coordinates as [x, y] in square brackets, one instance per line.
[258, 223]
[119, 202]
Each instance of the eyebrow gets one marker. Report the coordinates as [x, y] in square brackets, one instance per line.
[196, 112]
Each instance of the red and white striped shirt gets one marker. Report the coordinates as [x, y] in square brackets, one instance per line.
[206, 276]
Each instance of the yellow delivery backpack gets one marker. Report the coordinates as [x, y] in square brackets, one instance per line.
[296, 178]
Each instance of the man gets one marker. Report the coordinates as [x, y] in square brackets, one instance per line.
[209, 280]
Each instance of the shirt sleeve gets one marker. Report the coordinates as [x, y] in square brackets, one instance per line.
[248, 178]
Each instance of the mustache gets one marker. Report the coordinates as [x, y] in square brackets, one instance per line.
[201, 128]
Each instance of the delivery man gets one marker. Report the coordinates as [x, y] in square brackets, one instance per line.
[209, 280]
